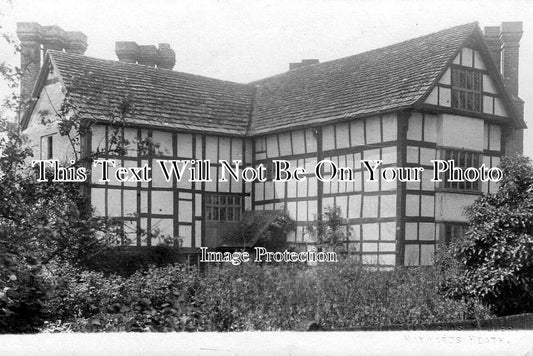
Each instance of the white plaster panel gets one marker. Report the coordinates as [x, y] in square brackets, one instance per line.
[388, 231]
[130, 202]
[461, 132]
[445, 97]
[298, 142]
[427, 253]
[431, 128]
[433, 97]
[224, 147]
[411, 232]
[488, 85]
[114, 202]
[310, 141]
[98, 138]
[427, 205]
[370, 206]
[357, 133]
[427, 231]
[272, 146]
[162, 202]
[467, 57]
[98, 201]
[185, 211]
[343, 135]
[354, 206]
[164, 139]
[488, 104]
[499, 109]
[412, 205]
[495, 138]
[390, 129]
[450, 206]
[373, 130]
[414, 132]
[388, 205]
[387, 260]
[285, 144]
[370, 231]
[211, 148]
[328, 138]
[478, 61]
[446, 77]
[412, 255]
[184, 145]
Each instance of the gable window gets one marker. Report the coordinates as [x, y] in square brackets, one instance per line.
[219, 207]
[463, 160]
[466, 89]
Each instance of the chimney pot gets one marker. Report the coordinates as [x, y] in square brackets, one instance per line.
[147, 55]
[127, 51]
[303, 63]
[166, 56]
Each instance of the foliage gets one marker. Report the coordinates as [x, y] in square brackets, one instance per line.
[496, 255]
[126, 260]
[250, 297]
[267, 229]
[329, 229]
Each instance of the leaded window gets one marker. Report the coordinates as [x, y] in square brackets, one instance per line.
[463, 160]
[222, 207]
[466, 89]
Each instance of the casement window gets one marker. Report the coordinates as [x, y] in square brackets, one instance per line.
[463, 160]
[466, 89]
[454, 232]
[47, 147]
[219, 207]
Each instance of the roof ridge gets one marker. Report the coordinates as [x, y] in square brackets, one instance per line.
[473, 24]
[61, 53]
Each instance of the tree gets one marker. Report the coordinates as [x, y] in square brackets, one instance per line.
[496, 254]
[329, 229]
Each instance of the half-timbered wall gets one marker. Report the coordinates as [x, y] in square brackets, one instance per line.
[369, 207]
[433, 210]
[176, 209]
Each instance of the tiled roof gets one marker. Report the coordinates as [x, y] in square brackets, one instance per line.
[375, 81]
[381, 80]
[158, 97]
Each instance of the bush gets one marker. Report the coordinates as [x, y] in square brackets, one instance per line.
[126, 260]
[496, 255]
[250, 297]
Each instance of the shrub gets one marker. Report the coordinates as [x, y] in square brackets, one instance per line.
[250, 297]
[496, 255]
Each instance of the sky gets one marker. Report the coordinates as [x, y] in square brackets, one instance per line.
[244, 40]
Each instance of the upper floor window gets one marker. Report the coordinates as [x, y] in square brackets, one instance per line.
[463, 160]
[221, 207]
[466, 89]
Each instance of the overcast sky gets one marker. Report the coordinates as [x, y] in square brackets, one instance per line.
[243, 40]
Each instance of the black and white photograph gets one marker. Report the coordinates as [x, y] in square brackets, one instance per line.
[231, 177]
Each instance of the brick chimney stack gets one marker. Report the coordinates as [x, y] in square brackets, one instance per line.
[149, 55]
[492, 38]
[35, 40]
[303, 63]
[504, 44]
[510, 34]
